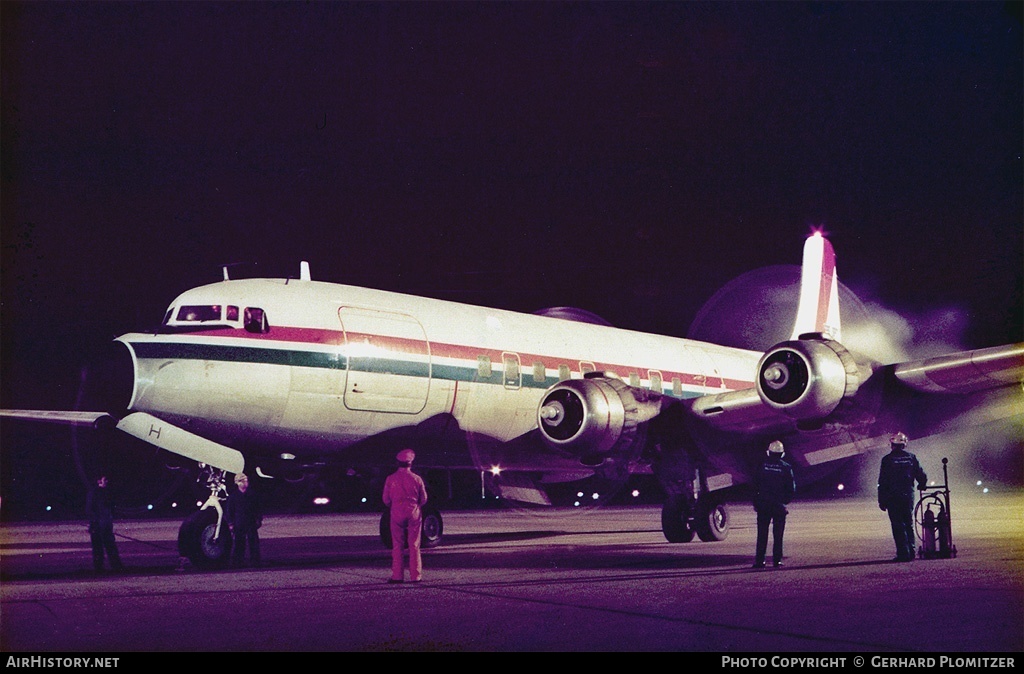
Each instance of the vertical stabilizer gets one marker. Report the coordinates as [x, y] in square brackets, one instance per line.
[819, 290]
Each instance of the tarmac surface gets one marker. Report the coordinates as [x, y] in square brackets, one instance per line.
[600, 581]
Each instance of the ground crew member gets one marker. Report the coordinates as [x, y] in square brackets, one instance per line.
[896, 479]
[774, 488]
[245, 517]
[100, 511]
[405, 495]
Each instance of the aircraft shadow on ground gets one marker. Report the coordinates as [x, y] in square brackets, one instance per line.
[458, 552]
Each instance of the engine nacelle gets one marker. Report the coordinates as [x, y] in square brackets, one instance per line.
[596, 419]
[807, 378]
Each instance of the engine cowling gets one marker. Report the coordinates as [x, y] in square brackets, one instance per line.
[807, 378]
[596, 419]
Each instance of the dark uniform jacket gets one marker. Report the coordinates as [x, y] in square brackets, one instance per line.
[99, 509]
[896, 478]
[244, 512]
[774, 484]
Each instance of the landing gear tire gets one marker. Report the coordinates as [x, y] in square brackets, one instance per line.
[675, 520]
[385, 528]
[196, 540]
[433, 527]
[430, 536]
[712, 521]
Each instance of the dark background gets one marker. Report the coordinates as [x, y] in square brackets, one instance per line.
[627, 158]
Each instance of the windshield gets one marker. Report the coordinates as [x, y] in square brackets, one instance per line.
[194, 313]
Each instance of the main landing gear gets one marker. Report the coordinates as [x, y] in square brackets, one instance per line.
[433, 527]
[708, 518]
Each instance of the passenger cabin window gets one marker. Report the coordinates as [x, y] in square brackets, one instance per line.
[564, 373]
[483, 367]
[539, 372]
[510, 363]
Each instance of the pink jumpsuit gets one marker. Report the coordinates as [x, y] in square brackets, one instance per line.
[405, 494]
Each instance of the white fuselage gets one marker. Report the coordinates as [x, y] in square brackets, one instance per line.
[332, 364]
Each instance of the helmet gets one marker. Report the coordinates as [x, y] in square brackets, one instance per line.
[898, 439]
[241, 477]
[776, 448]
[406, 456]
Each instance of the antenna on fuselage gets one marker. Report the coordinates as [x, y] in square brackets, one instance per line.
[224, 267]
[304, 271]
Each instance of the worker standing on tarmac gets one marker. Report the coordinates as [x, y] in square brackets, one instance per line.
[100, 510]
[405, 495]
[896, 479]
[774, 488]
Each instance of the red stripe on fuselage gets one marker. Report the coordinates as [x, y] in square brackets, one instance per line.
[401, 345]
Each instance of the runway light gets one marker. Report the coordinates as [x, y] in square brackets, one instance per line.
[149, 507]
[576, 504]
[174, 505]
[49, 508]
[496, 470]
[979, 483]
[985, 490]
[636, 493]
[321, 500]
[595, 496]
[579, 494]
[362, 500]
[840, 486]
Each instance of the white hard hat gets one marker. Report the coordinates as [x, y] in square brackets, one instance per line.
[406, 456]
[776, 447]
[898, 439]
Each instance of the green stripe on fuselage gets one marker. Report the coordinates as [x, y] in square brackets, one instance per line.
[332, 361]
[239, 354]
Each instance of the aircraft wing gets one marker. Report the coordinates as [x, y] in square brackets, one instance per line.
[69, 418]
[962, 373]
[921, 397]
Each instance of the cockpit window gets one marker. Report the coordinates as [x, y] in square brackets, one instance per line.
[200, 317]
[256, 320]
[194, 313]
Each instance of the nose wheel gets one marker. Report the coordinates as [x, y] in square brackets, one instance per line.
[204, 537]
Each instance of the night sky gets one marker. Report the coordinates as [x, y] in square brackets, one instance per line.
[626, 158]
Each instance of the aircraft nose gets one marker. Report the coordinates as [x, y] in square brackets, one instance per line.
[107, 383]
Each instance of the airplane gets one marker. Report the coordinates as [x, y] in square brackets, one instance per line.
[277, 376]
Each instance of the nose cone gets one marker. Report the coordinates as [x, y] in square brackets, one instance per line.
[107, 384]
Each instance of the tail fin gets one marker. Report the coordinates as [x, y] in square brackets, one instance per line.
[819, 290]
